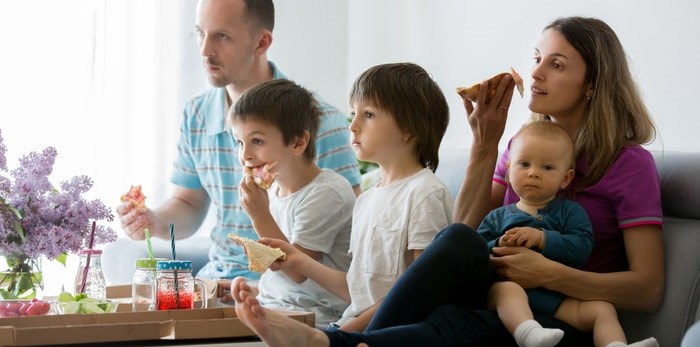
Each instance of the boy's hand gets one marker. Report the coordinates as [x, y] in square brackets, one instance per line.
[253, 198]
[523, 236]
[295, 257]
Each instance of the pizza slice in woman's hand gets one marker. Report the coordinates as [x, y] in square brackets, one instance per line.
[471, 93]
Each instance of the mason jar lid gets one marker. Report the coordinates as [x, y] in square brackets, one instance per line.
[174, 265]
[147, 263]
[90, 251]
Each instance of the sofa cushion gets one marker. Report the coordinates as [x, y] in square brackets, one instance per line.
[680, 183]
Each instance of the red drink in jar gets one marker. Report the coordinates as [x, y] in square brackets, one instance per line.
[171, 300]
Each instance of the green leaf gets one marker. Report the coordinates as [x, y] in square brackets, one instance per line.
[19, 230]
[24, 283]
[6, 295]
[61, 258]
[17, 212]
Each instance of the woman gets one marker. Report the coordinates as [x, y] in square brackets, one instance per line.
[580, 80]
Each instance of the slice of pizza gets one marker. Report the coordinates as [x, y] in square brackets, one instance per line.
[471, 93]
[262, 175]
[260, 256]
[135, 195]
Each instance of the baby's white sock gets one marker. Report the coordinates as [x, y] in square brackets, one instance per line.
[531, 334]
[650, 342]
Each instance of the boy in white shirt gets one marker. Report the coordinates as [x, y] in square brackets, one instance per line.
[399, 118]
[274, 124]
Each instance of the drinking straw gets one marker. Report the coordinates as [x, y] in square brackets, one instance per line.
[89, 255]
[148, 244]
[172, 240]
[172, 250]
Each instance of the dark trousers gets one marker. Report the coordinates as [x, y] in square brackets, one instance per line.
[440, 301]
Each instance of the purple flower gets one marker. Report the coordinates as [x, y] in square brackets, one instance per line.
[37, 219]
[3, 150]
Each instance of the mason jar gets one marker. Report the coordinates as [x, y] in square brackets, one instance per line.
[175, 286]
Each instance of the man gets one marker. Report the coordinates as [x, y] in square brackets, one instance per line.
[234, 36]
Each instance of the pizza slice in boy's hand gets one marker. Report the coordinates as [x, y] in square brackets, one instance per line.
[135, 195]
[260, 256]
[261, 175]
[472, 92]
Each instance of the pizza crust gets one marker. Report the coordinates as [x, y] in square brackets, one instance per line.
[471, 93]
[260, 256]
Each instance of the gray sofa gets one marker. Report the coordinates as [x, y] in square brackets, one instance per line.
[680, 184]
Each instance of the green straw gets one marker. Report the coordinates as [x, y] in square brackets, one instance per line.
[148, 243]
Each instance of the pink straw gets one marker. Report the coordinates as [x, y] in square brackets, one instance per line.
[89, 255]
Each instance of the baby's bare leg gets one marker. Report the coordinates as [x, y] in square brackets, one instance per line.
[274, 329]
[597, 316]
[511, 303]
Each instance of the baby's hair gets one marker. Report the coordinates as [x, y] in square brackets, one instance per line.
[283, 104]
[414, 100]
[549, 130]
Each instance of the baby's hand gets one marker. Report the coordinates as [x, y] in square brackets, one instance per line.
[525, 237]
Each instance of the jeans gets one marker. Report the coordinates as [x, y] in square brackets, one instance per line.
[440, 301]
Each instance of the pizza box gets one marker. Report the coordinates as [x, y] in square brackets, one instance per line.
[129, 326]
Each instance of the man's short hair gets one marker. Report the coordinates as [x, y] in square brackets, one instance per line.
[261, 13]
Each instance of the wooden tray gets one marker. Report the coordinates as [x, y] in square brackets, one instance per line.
[207, 323]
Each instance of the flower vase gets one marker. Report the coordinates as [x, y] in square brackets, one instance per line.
[23, 279]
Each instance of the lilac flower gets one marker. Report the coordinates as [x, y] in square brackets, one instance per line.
[3, 150]
[37, 219]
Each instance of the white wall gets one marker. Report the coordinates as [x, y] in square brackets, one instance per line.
[326, 44]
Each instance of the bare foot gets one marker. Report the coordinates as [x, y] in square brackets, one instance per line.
[274, 329]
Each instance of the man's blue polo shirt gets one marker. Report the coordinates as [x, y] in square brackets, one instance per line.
[207, 158]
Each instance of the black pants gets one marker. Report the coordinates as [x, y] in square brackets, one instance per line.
[440, 301]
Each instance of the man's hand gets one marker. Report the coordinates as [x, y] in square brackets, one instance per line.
[223, 291]
[135, 220]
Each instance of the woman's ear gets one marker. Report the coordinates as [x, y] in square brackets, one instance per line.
[589, 92]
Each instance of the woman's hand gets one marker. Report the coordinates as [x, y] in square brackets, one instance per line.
[476, 197]
[488, 121]
[521, 265]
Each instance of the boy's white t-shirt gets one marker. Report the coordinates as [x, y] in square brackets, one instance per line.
[388, 224]
[316, 217]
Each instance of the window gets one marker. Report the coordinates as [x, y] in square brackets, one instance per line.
[99, 81]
